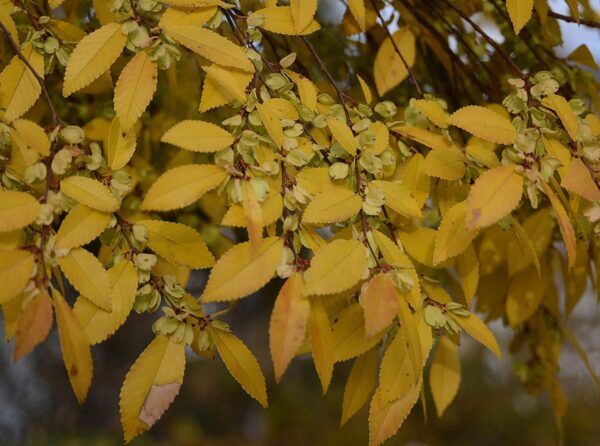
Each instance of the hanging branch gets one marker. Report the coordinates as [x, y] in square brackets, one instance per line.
[409, 70]
[569, 19]
[56, 120]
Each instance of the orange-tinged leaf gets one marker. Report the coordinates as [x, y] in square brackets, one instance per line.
[386, 418]
[379, 301]
[288, 323]
[33, 325]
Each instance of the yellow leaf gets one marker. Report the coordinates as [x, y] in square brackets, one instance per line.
[321, 341]
[33, 135]
[151, 385]
[420, 244]
[382, 138]
[409, 322]
[88, 276]
[271, 208]
[397, 373]
[537, 229]
[359, 12]
[429, 139]
[583, 55]
[278, 19]
[433, 111]
[75, 349]
[379, 301]
[33, 325]
[10, 240]
[253, 214]
[243, 270]
[566, 229]
[90, 193]
[349, 338]
[98, 324]
[444, 378]
[198, 136]
[412, 173]
[178, 244]
[520, 12]
[211, 45]
[445, 164]
[119, 145]
[399, 198]
[480, 332]
[16, 268]
[389, 70]
[360, 384]
[576, 280]
[343, 135]
[81, 225]
[331, 206]
[525, 294]
[303, 12]
[288, 323]
[19, 88]
[8, 22]
[10, 315]
[365, 90]
[482, 152]
[17, 210]
[241, 363]
[198, 17]
[337, 266]
[222, 86]
[134, 89]
[314, 179]
[453, 237]
[93, 56]
[495, 194]
[272, 123]
[181, 186]
[467, 266]
[485, 124]
[386, 418]
[578, 179]
[565, 113]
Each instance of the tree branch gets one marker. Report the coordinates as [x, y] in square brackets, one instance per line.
[569, 19]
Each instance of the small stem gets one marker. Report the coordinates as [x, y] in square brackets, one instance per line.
[409, 70]
[56, 120]
[566, 18]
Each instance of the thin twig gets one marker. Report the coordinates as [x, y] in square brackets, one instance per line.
[407, 67]
[566, 18]
[56, 120]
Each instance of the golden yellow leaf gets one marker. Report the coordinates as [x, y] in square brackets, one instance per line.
[151, 385]
[343, 135]
[278, 19]
[321, 341]
[81, 225]
[397, 372]
[337, 266]
[241, 363]
[525, 294]
[434, 141]
[399, 198]
[198, 17]
[88, 276]
[520, 12]
[271, 208]
[467, 266]
[409, 325]
[565, 113]
[453, 236]
[433, 111]
[119, 145]
[365, 90]
[181, 186]
[17, 210]
[420, 244]
[386, 418]
[360, 384]
[564, 223]
[445, 164]
[303, 12]
[444, 377]
[90, 193]
[19, 88]
[75, 349]
[198, 136]
[359, 12]
[243, 270]
[222, 86]
[93, 56]
[412, 173]
[178, 243]
[538, 229]
[485, 124]
[389, 70]
[495, 194]
[480, 332]
[584, 56]
[349, 335]
[99, 324]
[332, 205]
[379, 301]
[33, 135]
[578, 179]
[271, 122]
[314, 179]
[33, 325]
[288, 323]
[16, 268]
[134, 89]
[211, 45]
